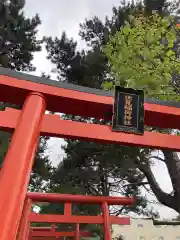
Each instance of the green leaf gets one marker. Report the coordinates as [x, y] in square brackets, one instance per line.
[143, 55]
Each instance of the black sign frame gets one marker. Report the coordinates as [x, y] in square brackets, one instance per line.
[137, 107]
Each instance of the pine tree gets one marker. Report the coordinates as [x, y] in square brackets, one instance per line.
[18, 40]
[155, 5]
[95, 33]
[18, 43]
[80, 170]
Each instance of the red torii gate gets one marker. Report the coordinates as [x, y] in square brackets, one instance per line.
[37, 95]
[25, 232]
[52, 234]
[36, 233]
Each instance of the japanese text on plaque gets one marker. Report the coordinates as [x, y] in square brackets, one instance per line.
[128, 110]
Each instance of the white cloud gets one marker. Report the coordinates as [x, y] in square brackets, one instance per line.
[64, 15]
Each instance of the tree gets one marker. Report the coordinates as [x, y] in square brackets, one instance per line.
[90, 68]
[86, 170]
[177, 218]
[141, 54]
[150, 63]
[17, 36]
[121, 237]
[156, 5]
[18, 43]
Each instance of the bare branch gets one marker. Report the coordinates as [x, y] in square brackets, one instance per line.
[136, 184]
[162, 197]
[157, 157]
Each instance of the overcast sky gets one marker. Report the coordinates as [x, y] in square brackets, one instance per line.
[65, 15]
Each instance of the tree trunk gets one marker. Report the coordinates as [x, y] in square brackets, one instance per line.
[172, 162]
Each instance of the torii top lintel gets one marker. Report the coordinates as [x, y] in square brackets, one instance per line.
[77, 100]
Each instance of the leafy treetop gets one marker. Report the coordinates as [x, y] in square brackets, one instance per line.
[141, 55]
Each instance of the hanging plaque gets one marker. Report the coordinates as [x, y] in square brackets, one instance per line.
[128, 111]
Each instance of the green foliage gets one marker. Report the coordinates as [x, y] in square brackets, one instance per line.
[42, 167]
[18, 39]
[72, 65]
[141, 54]
[4, 144]
[79, 172]
[18, 43]
[97, 169]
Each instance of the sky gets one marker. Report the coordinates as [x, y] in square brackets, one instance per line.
[66, 15]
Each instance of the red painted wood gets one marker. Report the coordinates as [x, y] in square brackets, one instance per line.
[16, 169]
[58, 234]
[24, 223]
[47, 232]
[9, 119]
[77, 232]
[107, 221]
[104, 134]
[69, 199]
[79, 103]
[53, 126]
[67, 209]
[44, 238]
[52, 218]
[55, 197]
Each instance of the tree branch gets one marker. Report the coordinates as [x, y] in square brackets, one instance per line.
[161, 196]
[136, 184]
[157, 157]
[172, 162]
